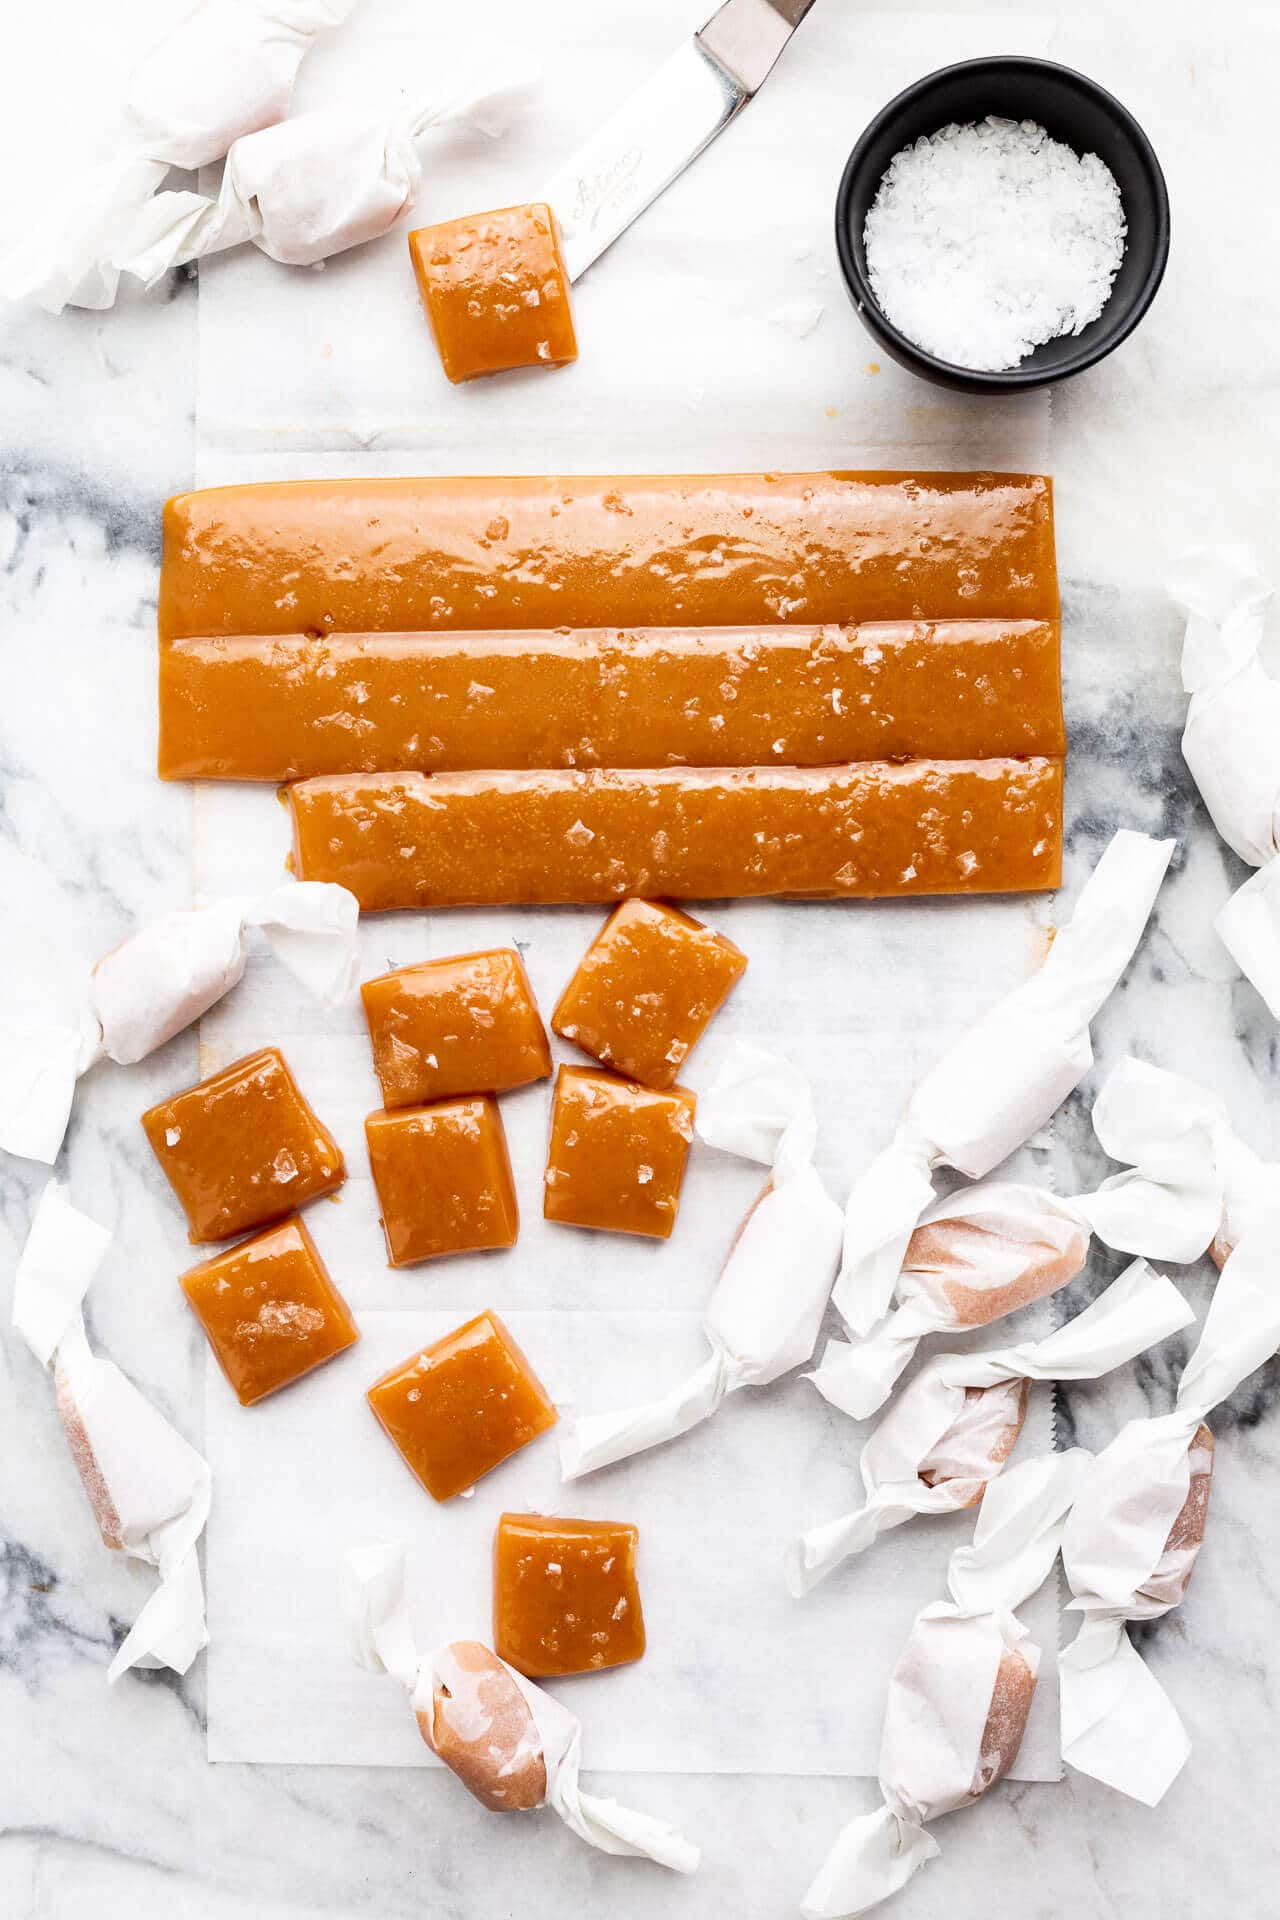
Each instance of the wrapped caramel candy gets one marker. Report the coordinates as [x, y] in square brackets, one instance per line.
[226, 69]
[765, 1310]
[951, 1431]
[148, 1488]
[1190, 1182]
[157, 983]
[976, 1256]
[512, 1746]
[960, 1694]
[1131, 1541]
[1231, 742]
[321, 182]
[1001, 1081]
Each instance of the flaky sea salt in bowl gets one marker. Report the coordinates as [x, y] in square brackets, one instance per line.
[1002, 224]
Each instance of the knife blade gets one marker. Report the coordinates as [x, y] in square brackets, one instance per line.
[665, 124]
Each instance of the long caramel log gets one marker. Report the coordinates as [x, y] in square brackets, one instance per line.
[417, 555]
[286, 708]
[875, 829]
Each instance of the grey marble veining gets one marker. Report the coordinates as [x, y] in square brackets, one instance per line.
[107, 1804]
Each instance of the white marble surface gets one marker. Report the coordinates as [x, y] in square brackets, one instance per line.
[106, 1800]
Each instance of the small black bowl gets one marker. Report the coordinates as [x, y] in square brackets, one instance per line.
[1070, 108]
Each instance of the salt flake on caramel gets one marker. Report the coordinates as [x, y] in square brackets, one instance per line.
[565, 1596]
[646, 989]
[243, 1147]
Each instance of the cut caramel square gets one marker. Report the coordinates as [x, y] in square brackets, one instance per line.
[458, 1408]
[496, 291]
[464, 1025]
[443, 1177]
[565, 1597]
[645, 990]
[617, 1153]
[269, 1310]
[242, 1147]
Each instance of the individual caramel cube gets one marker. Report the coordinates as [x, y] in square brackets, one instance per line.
[269, 1310]
[466, 1025]
[496, 291]
[443, 1177]
[646, 988]
[243, 1147]
[565, 1598]
[617, 1153]
[458, 1408]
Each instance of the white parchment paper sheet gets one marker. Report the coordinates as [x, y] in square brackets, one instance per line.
[701, 349]
[738, 1677]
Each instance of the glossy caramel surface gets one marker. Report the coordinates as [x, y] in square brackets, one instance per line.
[617, 1154]
[269, 1310]
[870, 830]
[565, 1595]
[459, 1407]
[242, 1147]
[318, 557]
[645, 990]
[468, 1024]
[495, 291]
[284, 707]
[443, 1179]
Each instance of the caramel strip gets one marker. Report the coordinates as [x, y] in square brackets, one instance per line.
[416, 555]
[287, 708]
[480, 839]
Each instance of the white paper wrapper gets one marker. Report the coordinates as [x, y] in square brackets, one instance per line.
[973, 1257]
[375, 1607]
[157, 983]
[766, 1308]
[959, 1695]
[1190, 1185]
[227, 69]
[1231, 742]
[1003, 1080]
[325, 181]
[950, 1433]
[148, 1488]
[1131, 1541]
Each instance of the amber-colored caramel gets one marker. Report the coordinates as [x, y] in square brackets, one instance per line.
[463, 1025]
[1011, 1697]
[286, 707]
[480, 1725]
[565, 1597]
[459, 1407]
[645, 990]
[495, 291]
[242, 1147]
[473, 839]
[269, 1310]
[443, 1177]
[617, 1153]
[656, 550]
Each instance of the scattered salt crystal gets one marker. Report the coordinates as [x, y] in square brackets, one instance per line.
[985, 241]
[172, 1135]
[579, 834]
[799, 317]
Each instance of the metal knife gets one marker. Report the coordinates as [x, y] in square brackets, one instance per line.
[665, 124]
